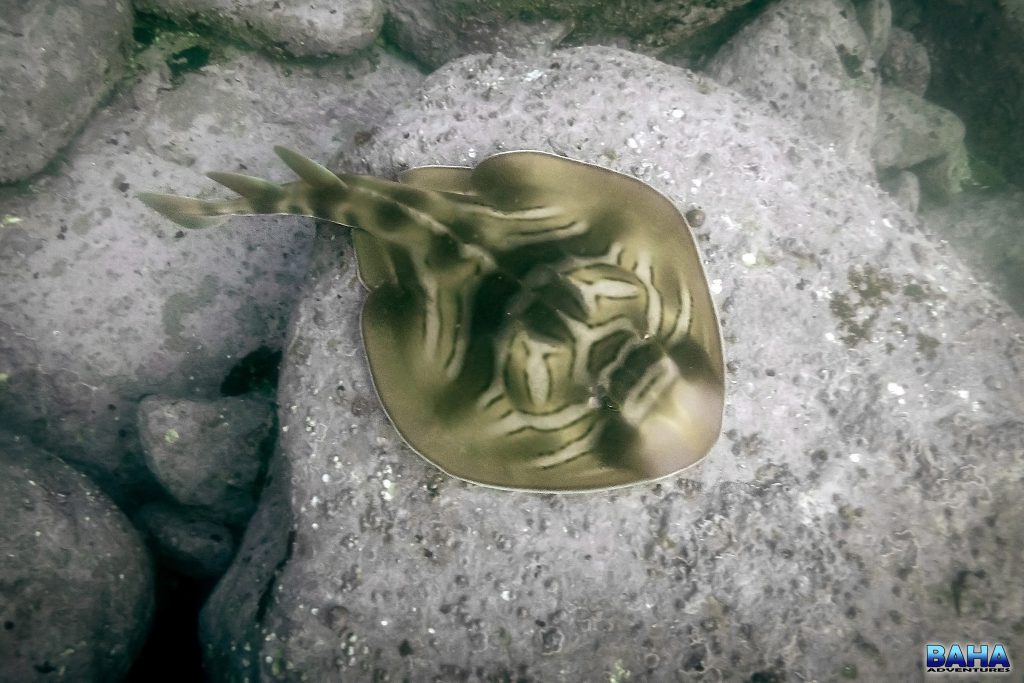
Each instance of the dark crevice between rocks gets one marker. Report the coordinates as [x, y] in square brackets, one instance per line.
[267, 594]
[172, 651]
[191, 58]
[214, 39]
[257, 372]
[695, 51]
[389, 41]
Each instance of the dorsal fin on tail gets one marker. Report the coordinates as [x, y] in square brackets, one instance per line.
[313, 173]
[189, 212]
[248, 186]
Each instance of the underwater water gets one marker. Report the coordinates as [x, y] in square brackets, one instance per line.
[681, 343]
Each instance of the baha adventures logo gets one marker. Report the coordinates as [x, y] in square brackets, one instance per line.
[980, 659]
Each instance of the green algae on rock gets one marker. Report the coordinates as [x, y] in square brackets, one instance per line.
[533, 323]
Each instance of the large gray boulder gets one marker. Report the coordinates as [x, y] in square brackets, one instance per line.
[76, 587]
[295, 27]
[912, 129]
[811, 61]
[437, 31]
[905, 63]
[873, 422]
[58, 60]
[208, 454]
[104, 301]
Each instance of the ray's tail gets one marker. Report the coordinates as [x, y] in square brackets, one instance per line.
[318, 188]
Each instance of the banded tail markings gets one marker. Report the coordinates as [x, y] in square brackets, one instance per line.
[533, 322]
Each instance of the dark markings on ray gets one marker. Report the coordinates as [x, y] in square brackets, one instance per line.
[543, 320]
[565, 298]
[605, 350]
[443, 252]
[632, 369]
[691, 359]
[539, 234]
[389, 215]
[455, 345]
[547, 430]
[615, 441]
[649, 382]
[412, 198]
[568, 461]
[481, 256]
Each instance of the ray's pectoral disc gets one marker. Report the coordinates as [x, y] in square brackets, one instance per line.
[534, 322]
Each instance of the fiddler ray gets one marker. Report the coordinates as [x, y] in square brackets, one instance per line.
[532, 323]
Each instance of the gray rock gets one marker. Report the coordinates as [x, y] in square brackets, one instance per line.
[76, 588]
[985, 228]
[905, 63]
[44, 393]
[943, 178]
[873, 406]
[413, 27]
[875, 17]
[905, 189]
[208, 454]
[58, 60]
[437, 31]
[296, 27]
[810, 61]
[187, 541]
[911, 130]
[107, 301]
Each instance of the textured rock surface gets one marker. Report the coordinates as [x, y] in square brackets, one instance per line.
[104, 301]
[905, 62]
[912, 129]
[437, 31]
[810, 61]
[58, 60]
[875, 17]
[186, 541]
[905, 189]
[75, 581]
[208, 454]
[873, 424]
[986, 228]
[944, 177]
[303, 28]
